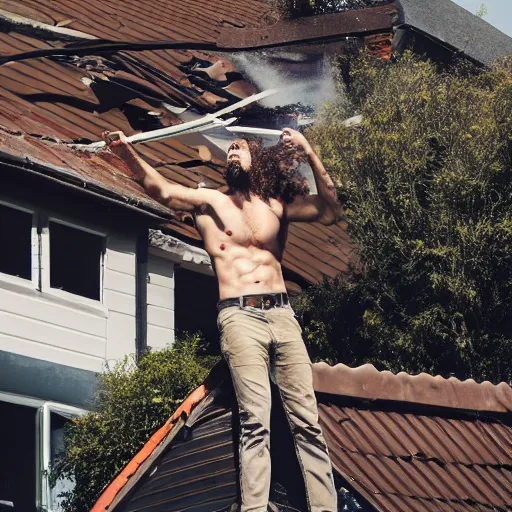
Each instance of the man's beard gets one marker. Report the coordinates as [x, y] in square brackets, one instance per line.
[237, 178]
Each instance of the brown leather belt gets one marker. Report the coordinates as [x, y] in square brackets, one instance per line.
[263, 301]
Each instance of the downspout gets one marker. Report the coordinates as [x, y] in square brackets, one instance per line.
[141, 294]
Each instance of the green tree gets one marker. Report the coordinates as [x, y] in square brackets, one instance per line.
[131, 404]
[426, 180]
[299, 8]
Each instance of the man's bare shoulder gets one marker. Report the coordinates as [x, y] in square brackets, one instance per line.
[211, 199]
[278, 207]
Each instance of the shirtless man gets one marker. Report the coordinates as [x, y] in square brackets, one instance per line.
[244, 232]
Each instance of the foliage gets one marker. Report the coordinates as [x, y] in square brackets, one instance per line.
[482, 11]
[299, 8]
[427, 185]
[131, 404]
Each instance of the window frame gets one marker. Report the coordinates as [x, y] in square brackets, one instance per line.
[43, 410]
[43, 448]
[40, 259]
[35, 266]
[46, 259]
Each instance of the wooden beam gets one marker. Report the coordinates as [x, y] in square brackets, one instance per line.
[326, 27]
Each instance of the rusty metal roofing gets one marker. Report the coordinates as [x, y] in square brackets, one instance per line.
[420, 461]
[316, 28]
[391, 447]
[47, 103]
[418, 443]
[368, 383]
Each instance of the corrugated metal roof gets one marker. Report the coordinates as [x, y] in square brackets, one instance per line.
[414, 461]
[400, 456]
[45, 103]
[418, 443]
[369, 383]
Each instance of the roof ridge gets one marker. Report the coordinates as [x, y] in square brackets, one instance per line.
[367, 382]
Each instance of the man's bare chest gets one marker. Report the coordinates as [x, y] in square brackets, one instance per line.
[249, 223]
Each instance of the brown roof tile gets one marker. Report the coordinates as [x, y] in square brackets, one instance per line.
[44, 102]
[401, 457]
[454, 454]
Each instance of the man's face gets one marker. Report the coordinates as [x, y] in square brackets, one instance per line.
[239, 152]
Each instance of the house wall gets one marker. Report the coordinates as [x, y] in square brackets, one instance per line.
[119, 296]
[52, 343]
[160, 302]
[40, 326]
[68, 332]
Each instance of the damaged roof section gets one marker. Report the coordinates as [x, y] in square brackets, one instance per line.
[47, 104]
[397, 442]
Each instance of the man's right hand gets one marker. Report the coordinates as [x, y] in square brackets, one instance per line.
[116, 141]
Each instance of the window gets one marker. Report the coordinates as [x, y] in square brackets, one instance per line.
[31, 442]
[53, 419]
[18, 468]
[15, 242]
[75, 260]
[50, 255]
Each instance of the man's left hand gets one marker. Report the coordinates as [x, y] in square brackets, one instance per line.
[293, 138]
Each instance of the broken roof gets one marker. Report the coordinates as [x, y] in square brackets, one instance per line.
[48, 104]
[397, 442]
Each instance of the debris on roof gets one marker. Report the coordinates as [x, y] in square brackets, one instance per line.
[319, 29]
[46, 104]
[404, 443]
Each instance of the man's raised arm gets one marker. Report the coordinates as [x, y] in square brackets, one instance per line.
[169, 194]
[323, 206]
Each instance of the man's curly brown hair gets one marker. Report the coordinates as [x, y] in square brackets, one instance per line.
[274, 172]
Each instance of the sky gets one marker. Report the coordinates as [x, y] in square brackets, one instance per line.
[499, 12]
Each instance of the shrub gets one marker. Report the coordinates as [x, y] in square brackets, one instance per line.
[131, 404]
[300, 8]
[426, 180]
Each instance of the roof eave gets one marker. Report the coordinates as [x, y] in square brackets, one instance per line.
[66, 178]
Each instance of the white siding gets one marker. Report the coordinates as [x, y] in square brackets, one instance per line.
[160, 302]
[119, 290]
[71, 333]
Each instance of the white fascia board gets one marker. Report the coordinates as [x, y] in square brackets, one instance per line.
[179, 252]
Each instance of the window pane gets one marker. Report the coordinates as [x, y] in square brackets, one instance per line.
[57, 450]
[75, 260]
[15, 241]
[18, 449]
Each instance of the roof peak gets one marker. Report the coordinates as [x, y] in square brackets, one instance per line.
[369, 383]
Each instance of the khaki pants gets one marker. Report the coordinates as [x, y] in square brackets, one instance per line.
[247, 337]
